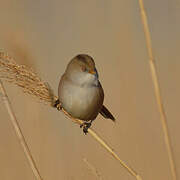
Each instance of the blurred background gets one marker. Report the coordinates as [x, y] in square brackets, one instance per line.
[45, 35]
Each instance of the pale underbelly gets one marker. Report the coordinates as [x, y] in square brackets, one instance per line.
[81, 102]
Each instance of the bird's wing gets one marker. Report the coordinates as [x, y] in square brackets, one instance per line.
[105, 113]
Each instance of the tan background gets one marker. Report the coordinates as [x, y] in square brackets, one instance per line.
[46, 35]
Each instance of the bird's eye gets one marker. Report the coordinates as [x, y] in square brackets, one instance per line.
[84, 68]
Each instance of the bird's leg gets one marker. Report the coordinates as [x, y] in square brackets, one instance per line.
[57, 105]
[86, 126]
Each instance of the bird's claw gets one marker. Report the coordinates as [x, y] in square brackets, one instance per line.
[85, 126]
[57, 105]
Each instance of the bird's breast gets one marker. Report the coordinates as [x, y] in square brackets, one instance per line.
[83, 102]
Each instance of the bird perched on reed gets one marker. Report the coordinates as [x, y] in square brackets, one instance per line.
[80, 93]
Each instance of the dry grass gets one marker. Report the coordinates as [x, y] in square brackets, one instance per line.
[31, 84]
[157, 90]
[24, 77]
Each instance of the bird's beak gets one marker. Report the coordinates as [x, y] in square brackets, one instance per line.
[94, 72]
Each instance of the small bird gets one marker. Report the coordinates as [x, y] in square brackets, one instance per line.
[80, 93]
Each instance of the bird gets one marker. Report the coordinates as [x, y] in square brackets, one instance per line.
[80, 92]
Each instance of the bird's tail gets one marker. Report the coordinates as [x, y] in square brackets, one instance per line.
[105, 113]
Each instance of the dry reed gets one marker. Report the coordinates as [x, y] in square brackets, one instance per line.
[31, 84]
[23, 77]
[19, 133]
[157, 90]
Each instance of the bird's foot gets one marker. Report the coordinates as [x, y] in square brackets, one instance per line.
[57, 105]
[86, 126]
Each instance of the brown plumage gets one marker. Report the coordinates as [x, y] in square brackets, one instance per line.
[80, 91]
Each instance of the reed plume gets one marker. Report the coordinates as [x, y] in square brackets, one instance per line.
[25, 78]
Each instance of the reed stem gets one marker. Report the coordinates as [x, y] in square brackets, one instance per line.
[157, 91]
[19, 133]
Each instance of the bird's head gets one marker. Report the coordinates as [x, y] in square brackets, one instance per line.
[81, 69]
